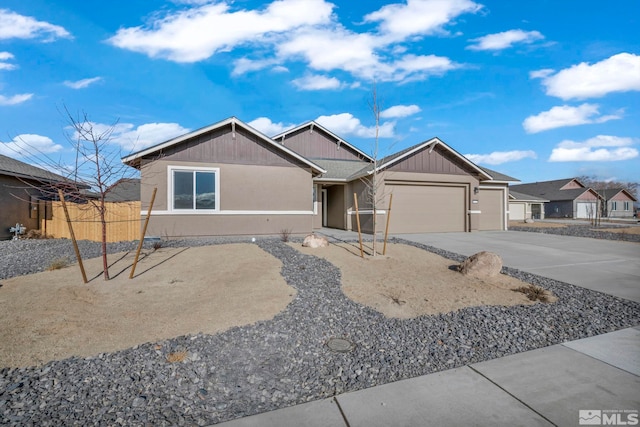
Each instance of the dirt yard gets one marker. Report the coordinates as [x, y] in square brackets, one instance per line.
[410, 282]
[177, 291]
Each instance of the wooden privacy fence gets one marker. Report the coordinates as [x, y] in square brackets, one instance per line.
[123, 221]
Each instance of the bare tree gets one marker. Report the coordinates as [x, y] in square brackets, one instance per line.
[373, 185]
[89, 180]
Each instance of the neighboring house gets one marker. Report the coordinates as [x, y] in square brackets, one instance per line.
[618, 203]
[230, 179]
[124, 190]
[24, 191]
[567, 198]
[524, 206]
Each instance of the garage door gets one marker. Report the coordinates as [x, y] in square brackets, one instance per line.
[586, 210]
[427, 208]
[516, 211]
[491, 207]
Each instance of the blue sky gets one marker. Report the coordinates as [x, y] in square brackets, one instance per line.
[536, 89]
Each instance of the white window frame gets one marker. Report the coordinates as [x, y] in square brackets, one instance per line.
[170, 188]
[614, 205]
[627, 206]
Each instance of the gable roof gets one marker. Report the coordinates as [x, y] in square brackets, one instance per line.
[392, 159]
[124, 190]
[551, 190]
[609, 193]
[18, 169]
[134, 159]
[313, 124]
[514, 195]
[499, 177]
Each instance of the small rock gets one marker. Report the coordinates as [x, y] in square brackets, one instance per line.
[313, 241]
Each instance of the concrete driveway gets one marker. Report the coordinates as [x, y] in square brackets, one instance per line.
[602, 265]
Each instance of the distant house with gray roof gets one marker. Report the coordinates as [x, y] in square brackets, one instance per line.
[567, 198]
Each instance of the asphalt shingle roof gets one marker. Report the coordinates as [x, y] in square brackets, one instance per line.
[13, 167]
[549, 190]
[124, 190]
[340, 169]
[522, 196]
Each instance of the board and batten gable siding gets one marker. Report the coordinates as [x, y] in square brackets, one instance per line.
[220, 146]
[436, 161]
[573, 184]
[317, 144]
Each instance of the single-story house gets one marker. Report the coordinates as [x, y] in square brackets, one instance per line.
[230, 179]
[24, 191]
[618, 202]
[524, 206]
[567, 198]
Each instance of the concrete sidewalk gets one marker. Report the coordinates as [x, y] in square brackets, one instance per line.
[547, 386]
[543, 387]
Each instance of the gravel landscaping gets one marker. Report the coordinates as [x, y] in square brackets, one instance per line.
[205, 379]
[584, 230]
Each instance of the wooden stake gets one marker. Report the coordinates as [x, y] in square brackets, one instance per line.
[144, 232]
[355, 200]
[73, 236]
[386, 230]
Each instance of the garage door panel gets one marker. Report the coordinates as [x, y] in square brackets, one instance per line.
[425, 208]
[491, 207]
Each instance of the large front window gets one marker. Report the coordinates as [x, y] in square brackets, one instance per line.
[194, 189]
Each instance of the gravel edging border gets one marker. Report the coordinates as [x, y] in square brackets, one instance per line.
[285, 361]
[587, 231]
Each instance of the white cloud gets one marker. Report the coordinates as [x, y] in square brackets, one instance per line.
[266, 126]
[294, 30]
[419, 17]
[317, 82]
[602, 148]
[345, 124]
[566, 115]
[187, 36]
[27, 145]
[619, 73]
[15, 99]
[504, 40]
[81, 84]
[541, 74]
[399, 111]
[499, 157]
[13, 25]
[5, 56]
[132, 138]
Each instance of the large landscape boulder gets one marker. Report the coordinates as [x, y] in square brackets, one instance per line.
[482, 264]
[313, 241]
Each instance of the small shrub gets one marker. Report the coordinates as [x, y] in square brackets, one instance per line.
[534, 293]
[58, 264]
[157, 245]
[285, 233]
[395, 298]
[177, 356]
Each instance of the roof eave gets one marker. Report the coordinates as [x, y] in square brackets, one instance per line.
[134, 159]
